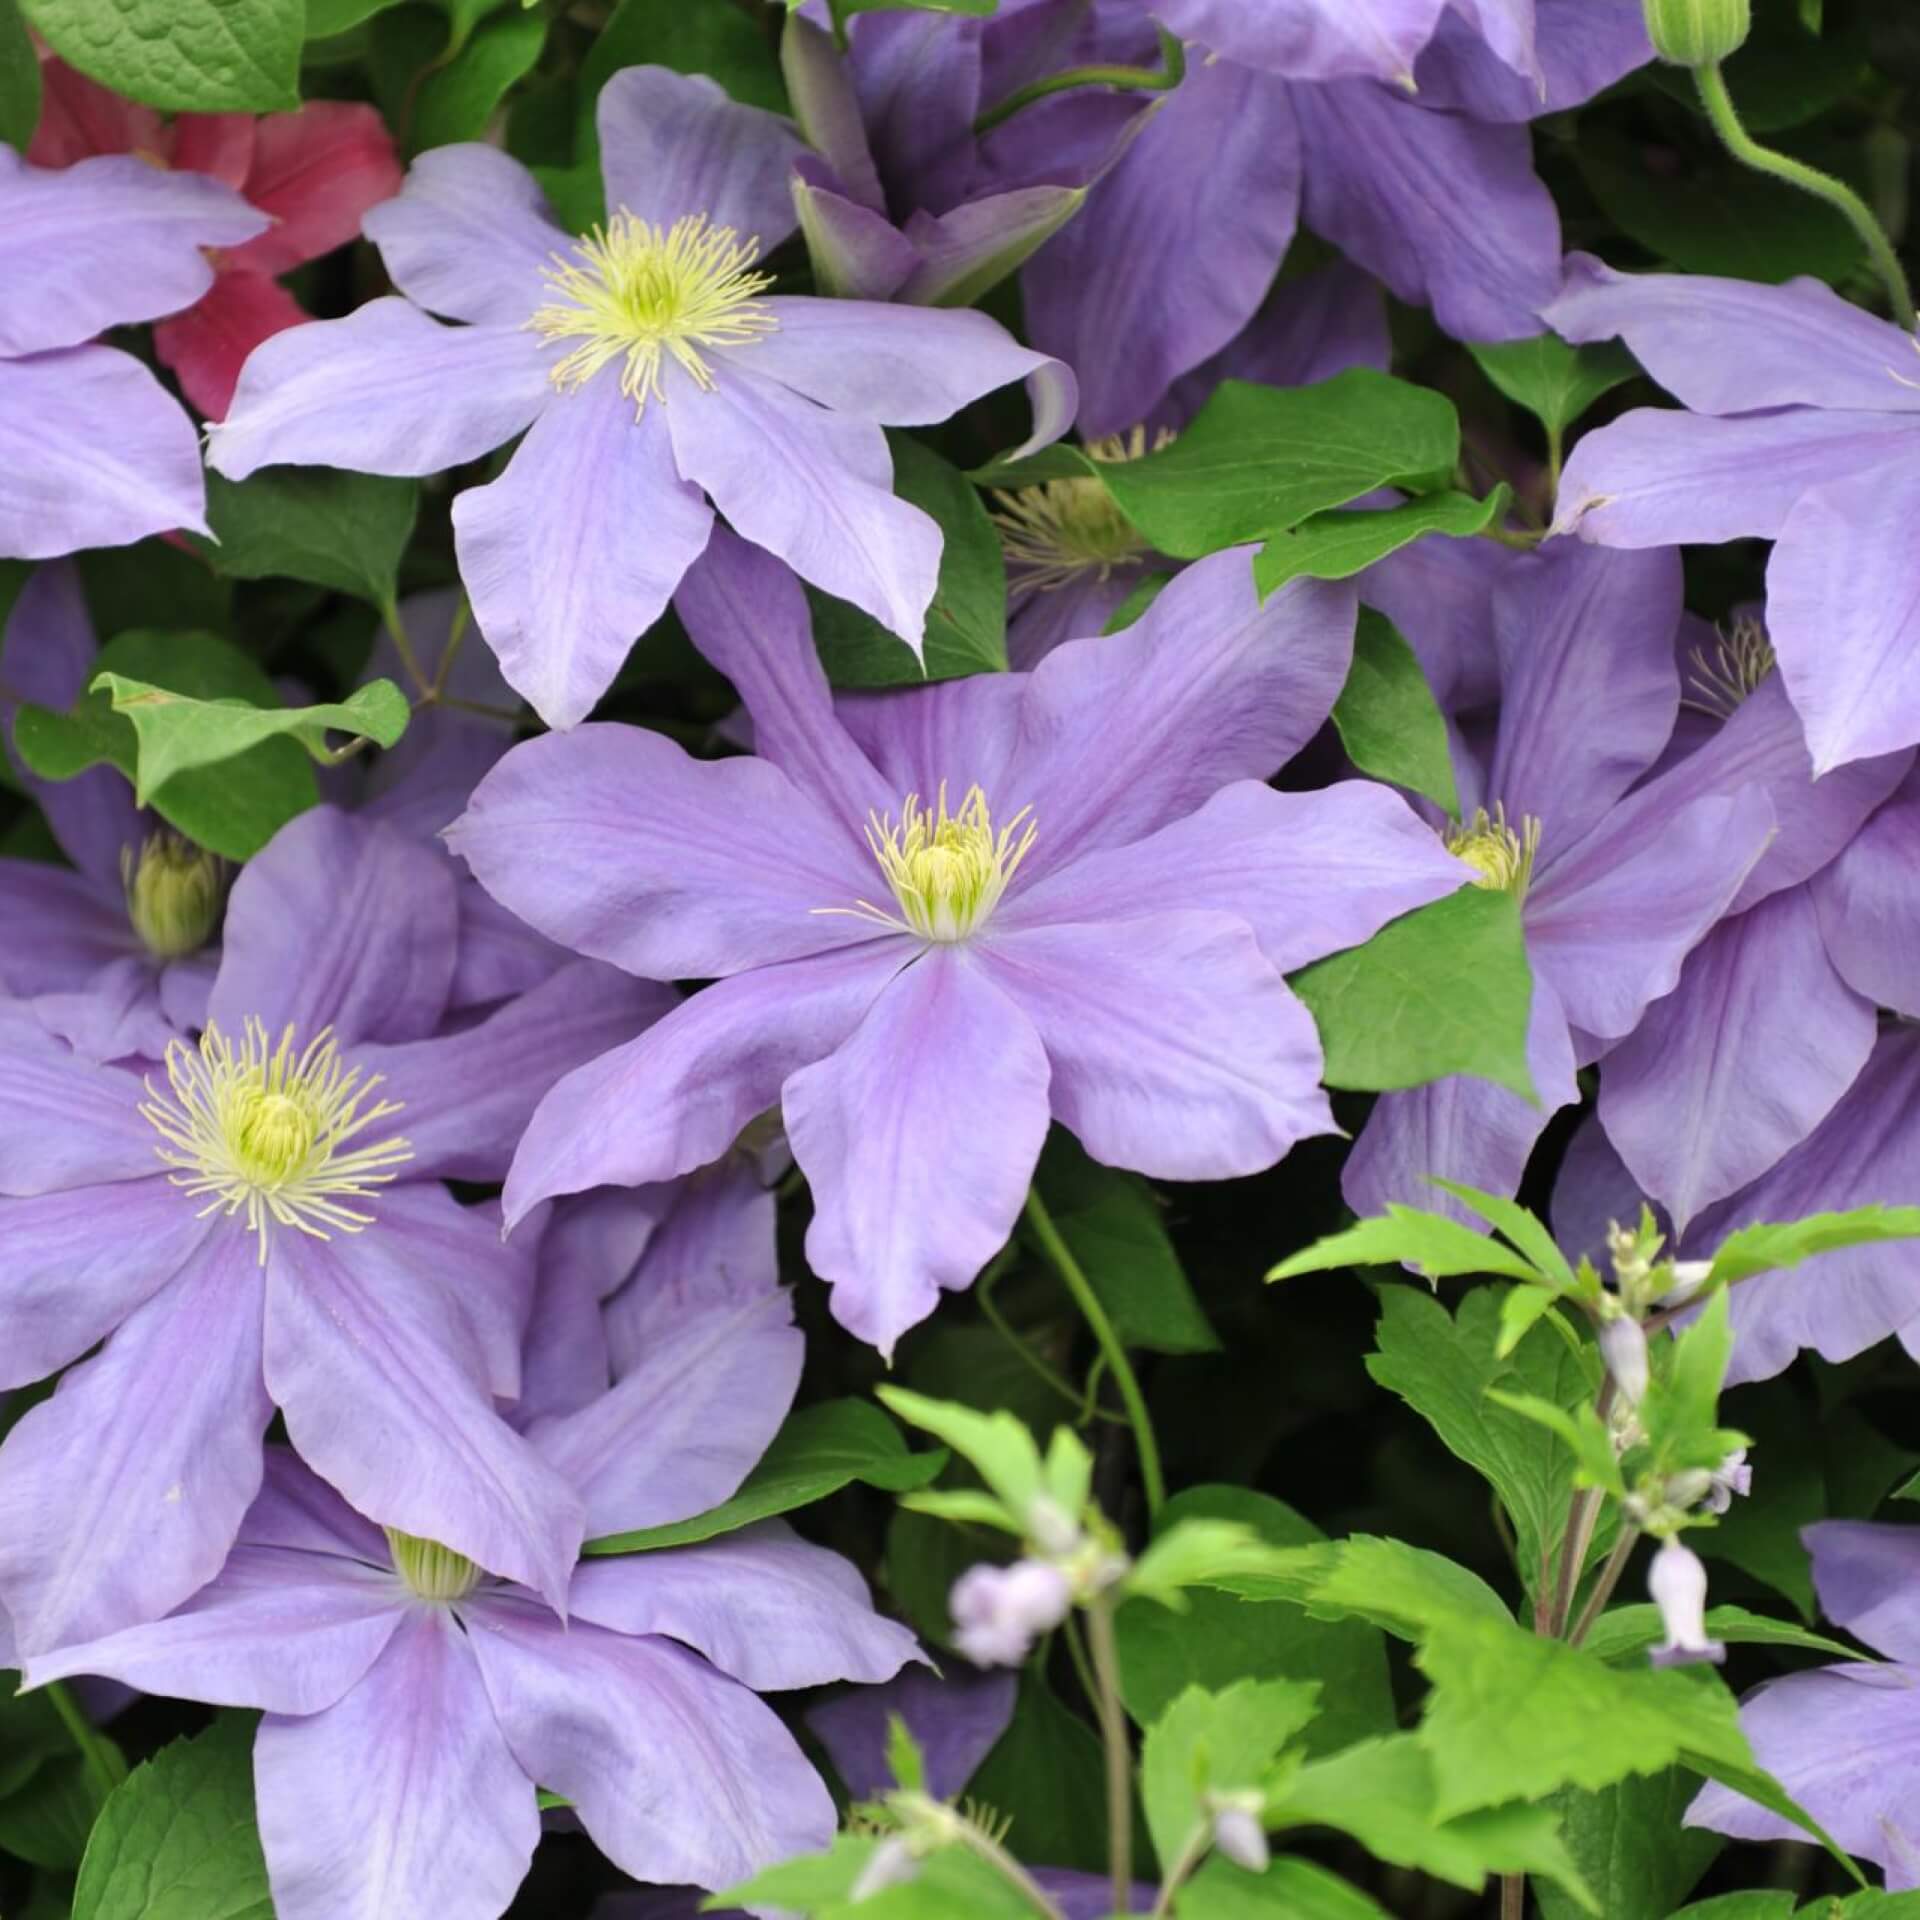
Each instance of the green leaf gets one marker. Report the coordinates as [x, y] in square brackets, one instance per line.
[178, 734]
[811, 1884]
[1405, 1236]
[904, 1759]
[1765, 1247]
[456, 101]
[47, 1821]
[1198, 1553]
[1439, 991]
[1579, 1429]
[1410, 1592]
[1048, 1771]
[1388, 719]
[1206, 1742]
[1258, 460]
[19, 79]
[1336, 545]
[1111, 1222]
[194, 56]
[177, 1841]
[343, 530]
[820, 1450]
[1386, 1794]
[325, 18]
[720, 41]
[1513, 1222]
[1747, 1906]
[1443, 1366]
[233, 809]
[967, 622]
[1630, 1848]
[996, 1445]
[1683, 1397]
[1627, 1630]
[1288, 1890]
[1555, 382]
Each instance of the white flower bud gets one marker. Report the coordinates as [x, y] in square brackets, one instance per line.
[1623, 1346]
[999, 1611]
[1677, 1585]
[1051, 1527]
[1689, 1276]
[892, 1865]
[1238, 1834]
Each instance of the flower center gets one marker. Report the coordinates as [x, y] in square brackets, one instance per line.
[430, 1570]
[637, 291]
[269, 1132]
[1061, 531]
[1501, 859]
[1722, 679]
[947, 870]
[173, 893]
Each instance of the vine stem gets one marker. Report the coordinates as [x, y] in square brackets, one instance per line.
[1199, 1845]
[1604, 1586]
[1113, 1734]
[91, 1748]
[1718, 102]
[1582, 1518]
[1134, 79]
[1077, 1284]
[984, 1847]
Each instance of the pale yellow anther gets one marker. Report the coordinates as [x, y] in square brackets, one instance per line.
[1501, 858]
[1061, 531]
[1740, 660]
[641, 293]
[267, 1131]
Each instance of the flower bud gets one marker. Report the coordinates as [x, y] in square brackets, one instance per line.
[1623, 1346]
[1238, 1834]
[1698, 33]
[173, 894]
[1050, 1526]
[998, 1611]
[893, 1864]
[1677, 1585]
[1689, 1276]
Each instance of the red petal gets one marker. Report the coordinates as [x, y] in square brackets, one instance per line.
[209, 343]
[316, 171]
[217, 143]
[79, 117]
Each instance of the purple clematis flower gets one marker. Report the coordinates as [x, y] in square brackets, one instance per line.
[413, 1703]
[649, 369]
[1802, 427]
[1617, 883]
[94, 452]
[1432, 191]
[251, 1229]
[1844, 1740]
[1764, 1032]
[942, 917]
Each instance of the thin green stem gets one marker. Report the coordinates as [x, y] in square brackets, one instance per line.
[1823, 186]
[456, 634]
[1556, 457]
[1582, 1517]
[1134, 79]
[1077, 1284]
[1040, 1368]
[1113, 1734]
[983, 1846]
[93, 1750]
[1604, 1586]
[403, 646]
[1199, 1845]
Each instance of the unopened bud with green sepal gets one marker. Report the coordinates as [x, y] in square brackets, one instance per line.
[1698, 33]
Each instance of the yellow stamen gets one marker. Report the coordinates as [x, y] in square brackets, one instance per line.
[267, 1131]
[1061, 531]
[640, 292]
[1502, 860]
[1738, 663]
[947, 870]
[431, 1571]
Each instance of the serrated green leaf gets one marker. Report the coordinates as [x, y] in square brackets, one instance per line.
[1256, 461]
[19, 79]
[1683, 1397]
[1440, 991]
[967, 622]
[1407, 1590]
[1513, 1222]
[1766, 1247]
[820, 1450]
[1627, 1630]
[335, 529]
[1555, 382]
[177, 1841]
[1206, 1742]
[194, 56]
[1579, 1430]
[1629, 1846]
[1338, 544]
[814, 1883]
[1198, 1553]
[1288, 1890]
[1521, 1310]
[996, 1445]
[1388, 719]
[1405, 1236]
[178, 734]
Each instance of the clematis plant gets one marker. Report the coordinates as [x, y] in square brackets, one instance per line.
[649, 367]
[944, 916]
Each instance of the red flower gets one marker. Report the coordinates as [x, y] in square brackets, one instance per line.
[315, 171]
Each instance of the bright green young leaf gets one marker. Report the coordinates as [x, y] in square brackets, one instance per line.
[820, 1450]
[1407, 1590]
[1337, 544]
[1387, 717]
[457, 100]
[193, 56]
[964, 1506]
[967, 622]
[1629, 1846]
[1622, 1631]
[19, 79]
[1258, 460]
[177, 1840]
[904, 1759]
[1683, 1397]
[814, 1883]
[1207, 1742]
[178, 734]
[1199, 1553]
[1113, 1225]
[1405, 1236]
[1555, 382]
[1386, 1793]
[233, 809]
[1222, 1638]
[342, 530]
[1439, 991]
[1765, 1247]
[1522, 1309]
[1288, 1890]
[1579, 1429]
[1513, 1222]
